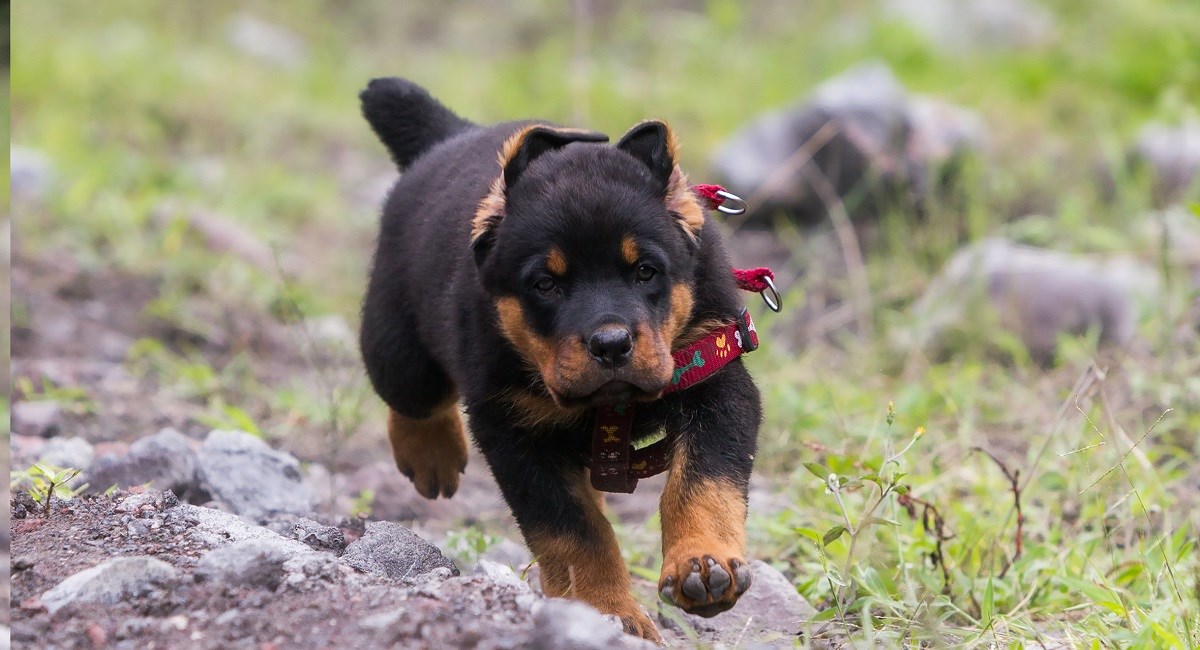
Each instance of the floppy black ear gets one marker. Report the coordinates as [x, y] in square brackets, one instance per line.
[652, 143]
[531, 143]
[515, 156]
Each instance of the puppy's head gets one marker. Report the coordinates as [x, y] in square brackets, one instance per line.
[589, 254]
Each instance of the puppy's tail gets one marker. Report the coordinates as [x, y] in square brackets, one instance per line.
[407, 119]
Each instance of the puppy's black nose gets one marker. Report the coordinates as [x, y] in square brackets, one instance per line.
[611, 345]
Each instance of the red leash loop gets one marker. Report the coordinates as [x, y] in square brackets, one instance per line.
[715, 197]
[759, 280]
[753, 279]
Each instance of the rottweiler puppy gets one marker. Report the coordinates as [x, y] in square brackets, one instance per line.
[534, 272]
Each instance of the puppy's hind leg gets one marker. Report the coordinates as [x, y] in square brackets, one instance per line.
[424, 424]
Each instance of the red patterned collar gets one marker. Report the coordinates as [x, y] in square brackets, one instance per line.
[615, 465]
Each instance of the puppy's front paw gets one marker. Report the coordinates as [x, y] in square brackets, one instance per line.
[432, 452]
[703, 584]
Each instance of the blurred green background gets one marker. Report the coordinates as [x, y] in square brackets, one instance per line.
[147, 113]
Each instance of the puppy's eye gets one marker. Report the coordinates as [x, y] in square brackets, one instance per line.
[545, 285]
[645, 273]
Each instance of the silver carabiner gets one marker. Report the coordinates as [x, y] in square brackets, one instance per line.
[774, 302]
[739, 208]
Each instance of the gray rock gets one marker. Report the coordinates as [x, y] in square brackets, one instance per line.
[1035, 294]
[319, 536]
[111, 582]
[1172, 154]
[391, 550]
[248, 563]
[560, 623]
[252, 479]
[500, 575]
[885, 148]
[41, 418]
[958, 26]
[770, 612]
[508, 553]
[1181, 230]
[165, 460]
[75, 453]
[30, 174]
[266, 41]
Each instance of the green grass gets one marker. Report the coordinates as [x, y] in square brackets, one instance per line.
[135, 101]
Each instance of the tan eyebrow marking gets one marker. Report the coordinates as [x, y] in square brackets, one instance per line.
[629, 250]
[556, 261]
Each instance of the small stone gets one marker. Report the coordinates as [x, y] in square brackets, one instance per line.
[111, 582]
[500, 575]
[96, 635]
[319, 536]
[508, 553]
[391, 550]
[135, 502]
[41, 418]
[228, 616]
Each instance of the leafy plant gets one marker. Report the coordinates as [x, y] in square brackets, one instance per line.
[45, 482]
[469, 544]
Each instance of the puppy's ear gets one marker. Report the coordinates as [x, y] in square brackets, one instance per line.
[521, 149]
[518, 152]
[653, 143]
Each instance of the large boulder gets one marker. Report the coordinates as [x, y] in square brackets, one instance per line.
[251, 479]
[860, 136]
[1032, 293]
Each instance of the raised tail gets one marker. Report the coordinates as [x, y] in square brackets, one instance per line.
[407, 119]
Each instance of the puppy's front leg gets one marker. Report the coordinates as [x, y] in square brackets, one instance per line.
[561, 518]
[703, 507]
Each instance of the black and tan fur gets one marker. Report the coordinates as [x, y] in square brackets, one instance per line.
[536, 272]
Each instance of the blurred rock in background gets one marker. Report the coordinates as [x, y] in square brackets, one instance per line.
[861, 137]
[1171, 156]
[956, 26]
[1033, 294]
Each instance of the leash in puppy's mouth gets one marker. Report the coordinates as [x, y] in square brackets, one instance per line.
[615, 465]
